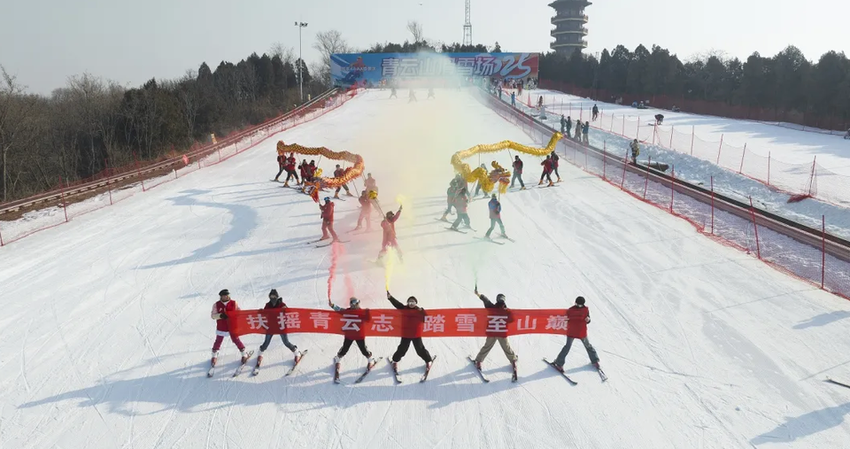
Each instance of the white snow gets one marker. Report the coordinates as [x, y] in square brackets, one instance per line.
[105, 331]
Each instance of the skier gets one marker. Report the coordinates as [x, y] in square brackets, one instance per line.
[495, 208]
[311, 170]
[491, 341]
[517, 173]
[595, 112]
[388, 224]
[302, 167]
[365, 211]
[404, 345]
[222, 329]
[659, 119]
[338, 173]
[635, 151]
[513, 99]
[431, 93]
[451, 193]
[290, 170]
[547, 170]
[328, 219]
[393, 92]
[584, 132]
[354, 304]
[540, 102]
[554, 157]
[578, 317]
[563, 124]
[281, 162]
[411, 97]
[461, 202]
[276, 302]
[370, 183]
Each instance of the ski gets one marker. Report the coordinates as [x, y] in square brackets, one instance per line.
[478, 370]
[514, 375]
[440, 219]
[394, 367]
[315, 241]
[242, 365]
[368, 370]
[560, 371]
[507, 238]
[331, 243]
[604, 377]
[427, 369]
[297, 361]
[487, 239]
[336, 372]
[833, 381]
[456, 230]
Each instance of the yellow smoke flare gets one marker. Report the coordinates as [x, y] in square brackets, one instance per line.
[499, 174]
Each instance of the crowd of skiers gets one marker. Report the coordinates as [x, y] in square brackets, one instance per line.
[578, 317]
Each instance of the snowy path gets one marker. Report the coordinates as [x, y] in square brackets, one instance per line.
[105, 335]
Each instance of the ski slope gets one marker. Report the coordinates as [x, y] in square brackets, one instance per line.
[105, 331]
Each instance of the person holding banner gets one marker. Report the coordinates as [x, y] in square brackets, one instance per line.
[222, 329]
[276, 302]
[354, 305]
[410, 323]
[491, 341]
[578, 317]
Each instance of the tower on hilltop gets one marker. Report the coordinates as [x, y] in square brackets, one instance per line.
[570, 29]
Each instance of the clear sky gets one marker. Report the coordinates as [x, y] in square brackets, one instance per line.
[43, 42]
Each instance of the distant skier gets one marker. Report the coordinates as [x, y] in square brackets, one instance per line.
[431, 93]
[365, 211]
[513, 99]
[389, 240]
[555, 158]
[578, 317]
[491, 341]
[290, 170]
[370, 183]
[404, 345]
[540, 102]
[635, 146]
[517, 176]
[495, 208]
[547, 171]
[354, 305]
[393, 93]
[451, 193]
[563, 124]
[659, 119]
[220, 309]
[281, 163]
[461, 203]
[328, 220]
[595, 112]
[338, 173]
[276, 302]
[585, 132]
[569, 127]
[411, 97]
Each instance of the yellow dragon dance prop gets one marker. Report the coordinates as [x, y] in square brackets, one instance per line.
[351, 173]
[498, 174]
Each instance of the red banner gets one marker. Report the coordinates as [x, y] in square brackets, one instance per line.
[400, 323]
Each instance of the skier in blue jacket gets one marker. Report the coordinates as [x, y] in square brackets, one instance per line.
[495, 216]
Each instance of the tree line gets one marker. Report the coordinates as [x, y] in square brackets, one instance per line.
[788, 82]
[91, 124]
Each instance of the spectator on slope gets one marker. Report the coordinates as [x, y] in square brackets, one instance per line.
[491, 341]
[563, 124]
[410, 322]
[365, 211]
[281, 163]
[219, 313]
[328, 220]
[495, 208]
[578, 317]
[569, 127]
[276, 302]
[554, 157]
[389, 237]
[578, 130]
[513, 99]
[584, 132]
[338, 173]
[547, 171]
[517, 165]
[595, 112]
[635, 146]
[461, 203]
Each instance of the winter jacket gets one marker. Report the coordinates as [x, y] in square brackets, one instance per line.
[281, 160]
[275, 305]
[339, 172]
[554, 159]
[495, 208]
[411, 320]
[371, 184]
[365, 203]
[388, 224]
[327, 211]
[219, 308]
[577, 319]
[585, 128]
[460, 203]
[290, 164]
[635, 149]
[547, 166]
[518, 166]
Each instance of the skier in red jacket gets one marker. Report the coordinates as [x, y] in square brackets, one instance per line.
[339, 172]
[365, 211]
[578, 317]
[547, 171]
[388, 224]
[290, 170]
[328, 219]
[219, 313]
[517, 173]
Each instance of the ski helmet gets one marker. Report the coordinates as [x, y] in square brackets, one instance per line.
[327, 199]
[390, 214]
[500, 298]
[224, 292]
[353, 301]
[580, 300]
[413, 300]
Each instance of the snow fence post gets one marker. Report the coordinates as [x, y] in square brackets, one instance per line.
[812, 176]
[625, 162]
[1, 239]
[712, 205]
[64, 203]
[823, 251]
[655, 133]
[693, 133]
[672, 129]
[768, 168]
[672, 183]
[611, 128]
[109, 189]
[755, 228]
[604, 160]
[139, 171]
[624, 126]
[637, 133]
[719, 149]
[646, 176]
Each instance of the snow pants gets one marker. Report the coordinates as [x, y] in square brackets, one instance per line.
[555, 168]
[417, 345]
[386, 246]
[278, 173]
[328, 226]
[461, 216]
[220, 337]
[365, 214]
[283, 337]
[545, 175]
[591, 352]
[449, 208]
[493, 222]
[517, 177]
[488, 345]
[291, 174]
[344, 186]
[346, 345]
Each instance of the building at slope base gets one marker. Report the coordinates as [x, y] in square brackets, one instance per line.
[570, 29]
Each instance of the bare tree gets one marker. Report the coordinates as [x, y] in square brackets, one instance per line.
[415, 29]
[286, 54]
[16, 121]
[328, 43]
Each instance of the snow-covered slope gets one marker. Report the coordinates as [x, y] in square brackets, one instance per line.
[105, 331]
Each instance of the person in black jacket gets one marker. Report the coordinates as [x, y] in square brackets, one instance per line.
[491, 341]
[404, 345]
